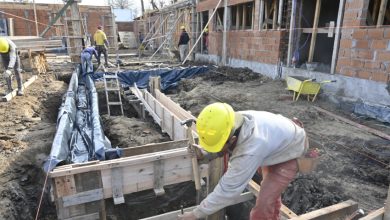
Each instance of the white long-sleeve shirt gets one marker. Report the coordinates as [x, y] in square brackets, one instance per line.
[11, 53]
[265, 139]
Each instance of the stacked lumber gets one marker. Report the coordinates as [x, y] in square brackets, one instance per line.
[34, 62]
[25, 43]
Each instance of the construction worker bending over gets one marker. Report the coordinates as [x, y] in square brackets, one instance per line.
[256, 140]
[11, 60]
[86, 60]
[101, 44]
[183, 43]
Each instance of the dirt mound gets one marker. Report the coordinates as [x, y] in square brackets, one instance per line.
[28, 126]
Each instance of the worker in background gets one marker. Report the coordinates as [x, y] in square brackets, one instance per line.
[256, 140]
[206, 41]
[140, 37]
[183, 43]
[86, 59]
[11, 61]
[101, 44]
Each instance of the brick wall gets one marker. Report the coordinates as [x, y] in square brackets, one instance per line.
[259, 46]
[125, 26]
[364, 52]
[211, 4]
[22, 27]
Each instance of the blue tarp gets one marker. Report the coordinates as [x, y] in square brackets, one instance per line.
[169, 77]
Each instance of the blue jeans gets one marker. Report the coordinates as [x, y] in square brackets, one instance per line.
[86, 63]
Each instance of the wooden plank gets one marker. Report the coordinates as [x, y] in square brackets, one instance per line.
[158, 177]
[363, 127]
[82, 197]
[337, 37]
[238, 17]
[154, 147]
[244, 16]
[337, 211]
[375, 215]
[387, 206]
[319, 30]
[255, 189]
[64, 186]
[291, 33]
[382, 11]
[315, 30]
[274, 18]
[261, 20]
[121, 162]
[117, 185]
[138, 93]
[141, 176]
[173, 215]
[173, 107]
[280, 14]
[92, 216]
[12, 94]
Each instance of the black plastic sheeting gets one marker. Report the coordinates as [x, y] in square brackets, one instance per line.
[169, 77]
[378, 112]
[79, 137]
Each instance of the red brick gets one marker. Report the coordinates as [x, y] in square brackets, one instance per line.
[344, 62]
[376, 33]
[357, 63]
[345, 43]
[383, 56]
[361, 44]
[380, 76]
[348, 72]
[363, 74]
[364, 54]
[372, 65]
[359, 34]
[379, 44]
[387, 33]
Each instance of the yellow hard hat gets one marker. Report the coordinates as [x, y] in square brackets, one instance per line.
[4, 45]
[182, 27]
[214, 125]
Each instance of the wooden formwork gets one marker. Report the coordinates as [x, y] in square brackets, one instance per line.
[80, 189]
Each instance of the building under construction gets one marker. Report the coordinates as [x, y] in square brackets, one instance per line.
[121, 143]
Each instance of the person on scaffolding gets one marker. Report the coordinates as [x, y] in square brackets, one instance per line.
[11, 61]
[256, 141]
[101, 45]
[86, 60]
[183, 43]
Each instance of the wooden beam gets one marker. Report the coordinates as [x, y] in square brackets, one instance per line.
[121, 162]
[255, 189]
[261, 14]
[158, 168]
[363, 127]
[154, 147]
[337, 36]
[214, 176]
[92, 216]
[83, 197]
[238, 17]
[319, 30]
[173, 215]
[291, 33]
[314, 32]
[244, 8]
[338, 211]
[375, 11]
[274, 16]
[375, 215]
[280, 14]
[382, 12]
[138, 93]
[12, 94]
[387, 206]
[117, 185]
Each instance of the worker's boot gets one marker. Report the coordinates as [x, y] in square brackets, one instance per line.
[20, 92]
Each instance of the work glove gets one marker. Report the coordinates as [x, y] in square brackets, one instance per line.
[187, 216]
[7, 73]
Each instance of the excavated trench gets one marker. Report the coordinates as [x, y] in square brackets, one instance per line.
[352, 168]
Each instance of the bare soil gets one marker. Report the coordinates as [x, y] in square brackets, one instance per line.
[354, 165]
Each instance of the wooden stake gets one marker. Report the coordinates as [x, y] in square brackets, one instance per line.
[382, 11]
[337, 36]
[261, 20]
[243, 16]
[238, 17]
[274, 18]
[291, 34]
[314, 32]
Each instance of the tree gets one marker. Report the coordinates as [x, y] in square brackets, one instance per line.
[122, 4]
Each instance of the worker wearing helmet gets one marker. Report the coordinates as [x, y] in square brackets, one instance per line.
[256, 140]
[183, 43]
[11, 61]
[101, 44]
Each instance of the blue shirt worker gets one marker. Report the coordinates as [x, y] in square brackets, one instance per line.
[86, 59]
[11, 61]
